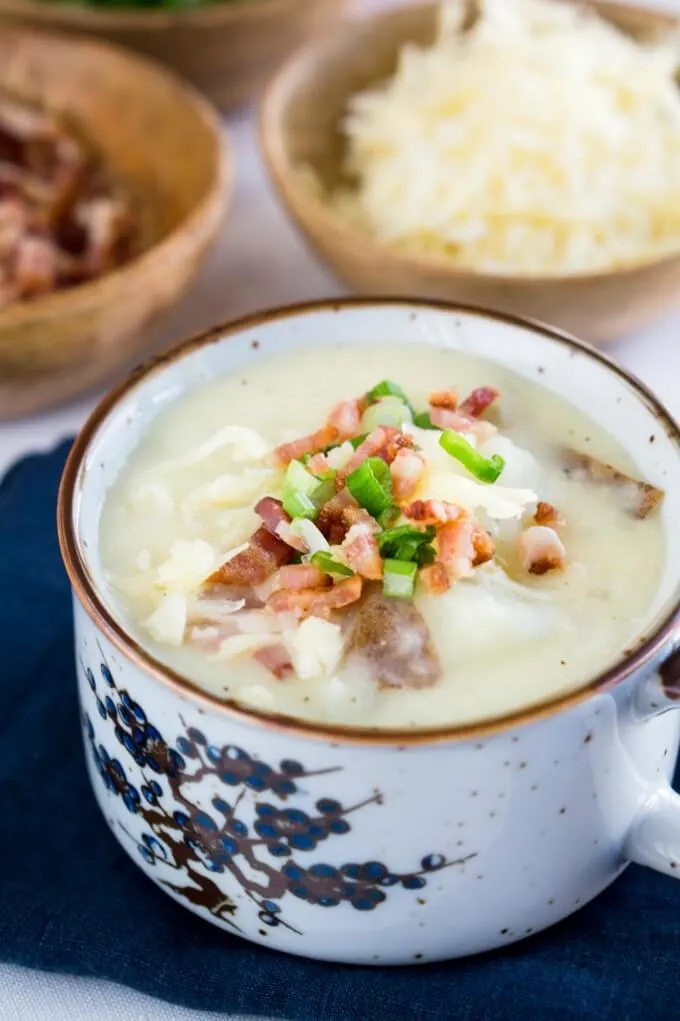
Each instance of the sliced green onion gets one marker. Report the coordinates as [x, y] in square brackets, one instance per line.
[371, 485]
[326, 562]
[424, 421]
[388, 389]
[399, 579]
[298, 479]
[324, 491]
[486, 469]
[387, 518]
[299, 505]
[407, 543]
[358, 440]
[386, 411]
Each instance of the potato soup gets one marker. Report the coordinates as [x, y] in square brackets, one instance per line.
[379, 537]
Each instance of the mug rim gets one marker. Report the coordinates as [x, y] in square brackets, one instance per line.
[84, 588]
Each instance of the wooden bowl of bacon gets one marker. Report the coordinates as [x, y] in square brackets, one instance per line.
[412, 173]
[104, 216]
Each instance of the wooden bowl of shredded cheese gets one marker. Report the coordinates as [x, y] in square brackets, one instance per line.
[523, 155]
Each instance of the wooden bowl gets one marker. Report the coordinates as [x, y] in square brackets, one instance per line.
[163, 140]
[299, 128]
[228, 50]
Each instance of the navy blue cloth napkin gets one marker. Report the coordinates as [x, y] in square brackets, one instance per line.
[71, 900]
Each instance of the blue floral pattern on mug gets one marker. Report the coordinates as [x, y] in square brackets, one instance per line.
[198, 843]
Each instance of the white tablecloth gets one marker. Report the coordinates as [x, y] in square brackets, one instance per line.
[258, 262]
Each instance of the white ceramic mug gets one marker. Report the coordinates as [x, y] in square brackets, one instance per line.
[351, 845]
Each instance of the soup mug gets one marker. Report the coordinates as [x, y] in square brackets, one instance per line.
[364, 846]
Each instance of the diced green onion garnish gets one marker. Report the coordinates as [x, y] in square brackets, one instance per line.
[299, 505]
[387, 518]
[371, 485]
[358, 440]
[386, 411]
[388, 389]
[423, 420]
[399, 579]
[298, 479]
[407, 543]
[486, 469]
[324, 491]
[326, 562]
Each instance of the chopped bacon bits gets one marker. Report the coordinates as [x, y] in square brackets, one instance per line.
[546, 514]
[254, 565]
[476, 403]
[62, 219]
[435, 578]
[433, 512]
[541, 550]
[346, 419]
[326, 436]
[338, 515]
[316, 602]
[361, 552]
[276, 659]
[484, 548]
[385, 441]
[407, 470]
[272, 513]
[445, 419]
[443, 399]
[318, 464]
[297, 576]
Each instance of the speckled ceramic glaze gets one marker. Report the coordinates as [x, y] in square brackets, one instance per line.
[382, 847]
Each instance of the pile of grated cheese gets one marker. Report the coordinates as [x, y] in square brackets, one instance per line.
[543, 141]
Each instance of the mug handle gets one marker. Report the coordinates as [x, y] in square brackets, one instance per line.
[654, 838]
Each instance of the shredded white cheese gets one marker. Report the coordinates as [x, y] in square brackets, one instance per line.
[315, 648]
[498, 501]
[542, 141]
[168, 621]
[190, 562]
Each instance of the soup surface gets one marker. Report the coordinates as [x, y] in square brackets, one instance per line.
[399, 571]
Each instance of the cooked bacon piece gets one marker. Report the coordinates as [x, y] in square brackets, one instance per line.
[338, 515]
[546, 514]
[443, 399]
[483, 545]
[318, 464]
[433, 512]
[457, 552]
[361, 551]
[317, 602]
[393, 638]
[298, 576]
[326, 436]
[462, 546]
[384, 441]
[346, 419]
[435, 578]
[254, 565]
[35, 266]
[276, 659]
[476, 403]
[272, 513]
[641, 497]
[445, 419]
[407, 470]
[277, 521]
[541, 549]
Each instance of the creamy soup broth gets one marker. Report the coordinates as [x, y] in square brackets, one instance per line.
[505, 638]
